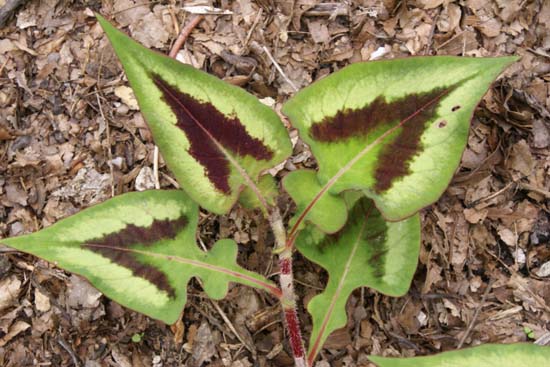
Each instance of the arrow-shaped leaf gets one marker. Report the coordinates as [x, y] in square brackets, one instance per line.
[215, 137]
[367, 252]
[395, 129]
[139, 249]
[490, 355]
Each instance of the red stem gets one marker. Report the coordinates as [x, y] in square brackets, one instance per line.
[286, 281]
[183, 35]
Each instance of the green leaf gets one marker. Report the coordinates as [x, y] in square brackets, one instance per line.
[395, 129]
[504, 355]
[215, 137]
[139, 249]
[137, 337]
[329, 213]
[367, 252]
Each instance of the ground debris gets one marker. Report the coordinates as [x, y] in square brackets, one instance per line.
[59, 155]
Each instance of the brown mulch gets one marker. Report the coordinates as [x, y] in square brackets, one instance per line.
[71, 136]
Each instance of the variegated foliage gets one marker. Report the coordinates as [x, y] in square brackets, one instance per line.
[394, 129]
[387, 137]
[140, 250]
[367, 252]
[215, 137]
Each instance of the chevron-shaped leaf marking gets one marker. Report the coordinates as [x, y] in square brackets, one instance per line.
[116, 246]
[205, 127]
[140, 249]
[395, 129]
[216, 138]
[375, 234]
[411, 113]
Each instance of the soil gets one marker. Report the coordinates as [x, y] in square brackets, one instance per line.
[71, 136]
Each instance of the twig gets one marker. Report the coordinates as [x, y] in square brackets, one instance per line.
[185, 31]
[69, 350]
[538, 52]
[256, 20]
[109, 153]
[279, 69]
[4, 249]
[431, 35]
[490, 196]
[250, 348]
[171, 180]
[8, 9]
[107, 127]
[156, 167]
[476, 314]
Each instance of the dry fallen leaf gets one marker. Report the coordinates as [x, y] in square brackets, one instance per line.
[520, 159]
[541, 135]
[81, 294]
[508, 237]
[9, 291]
[430, 4]
[41, 301]
[544, 270]
[474, 216]
[120, 359]
[145, 179]
[319, 31]
[126, 95]
[204, 347]
[18, 327]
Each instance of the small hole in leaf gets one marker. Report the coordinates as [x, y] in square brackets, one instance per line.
[455, 108]
[441, 124]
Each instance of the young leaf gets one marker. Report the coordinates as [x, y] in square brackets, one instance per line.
[330, 212]
[490, 355]
[367, 252]
[139, 249]
[215, 137]
[395, 129]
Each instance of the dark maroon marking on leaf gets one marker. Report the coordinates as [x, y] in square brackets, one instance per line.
[350, 123]
[115, 246]
[201, 122]
[412, 111]
[375, 234]
[393, 160]
[442, 124]
[357, 213]
[377, 241]
[455, 108]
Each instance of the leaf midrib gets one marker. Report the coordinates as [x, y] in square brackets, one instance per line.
[264, 284]
[218, 145]
[341, 283]
[352, 162]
